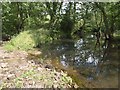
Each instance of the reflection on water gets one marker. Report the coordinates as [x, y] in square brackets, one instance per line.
[97, 64]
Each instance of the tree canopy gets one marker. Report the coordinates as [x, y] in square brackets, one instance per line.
[62, 19]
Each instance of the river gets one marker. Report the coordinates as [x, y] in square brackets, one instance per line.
[90, 64]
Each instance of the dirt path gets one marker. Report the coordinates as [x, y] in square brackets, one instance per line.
[17, 71]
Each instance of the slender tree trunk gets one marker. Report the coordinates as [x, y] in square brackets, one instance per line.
[74, 16]
[105, 20]
[20, 17]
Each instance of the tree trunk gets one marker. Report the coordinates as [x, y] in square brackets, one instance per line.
[106, 21]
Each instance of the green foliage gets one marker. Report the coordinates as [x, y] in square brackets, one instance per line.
[67, 26]
[19, 15]
[28, 39]
[23, 41]
[60, 18]
[9, 18]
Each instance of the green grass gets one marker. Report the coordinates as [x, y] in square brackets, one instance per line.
[28, 39]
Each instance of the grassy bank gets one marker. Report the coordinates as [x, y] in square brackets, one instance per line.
[28, 39]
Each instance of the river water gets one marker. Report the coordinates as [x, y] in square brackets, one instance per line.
[90, 64]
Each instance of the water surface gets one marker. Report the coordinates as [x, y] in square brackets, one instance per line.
[90, 64]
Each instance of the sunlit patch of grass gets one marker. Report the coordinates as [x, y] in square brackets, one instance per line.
[29, 39]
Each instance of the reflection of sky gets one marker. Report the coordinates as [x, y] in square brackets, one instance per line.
[63, 60]
[63, 56]
[78, 44]
[92, 60]
[66, 2]
[60, 48]
[64, 63]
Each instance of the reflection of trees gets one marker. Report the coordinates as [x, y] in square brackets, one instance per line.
[83, 55]
[90, 60]
[109, 60]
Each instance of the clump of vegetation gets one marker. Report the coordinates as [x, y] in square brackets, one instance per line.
[28, 40]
